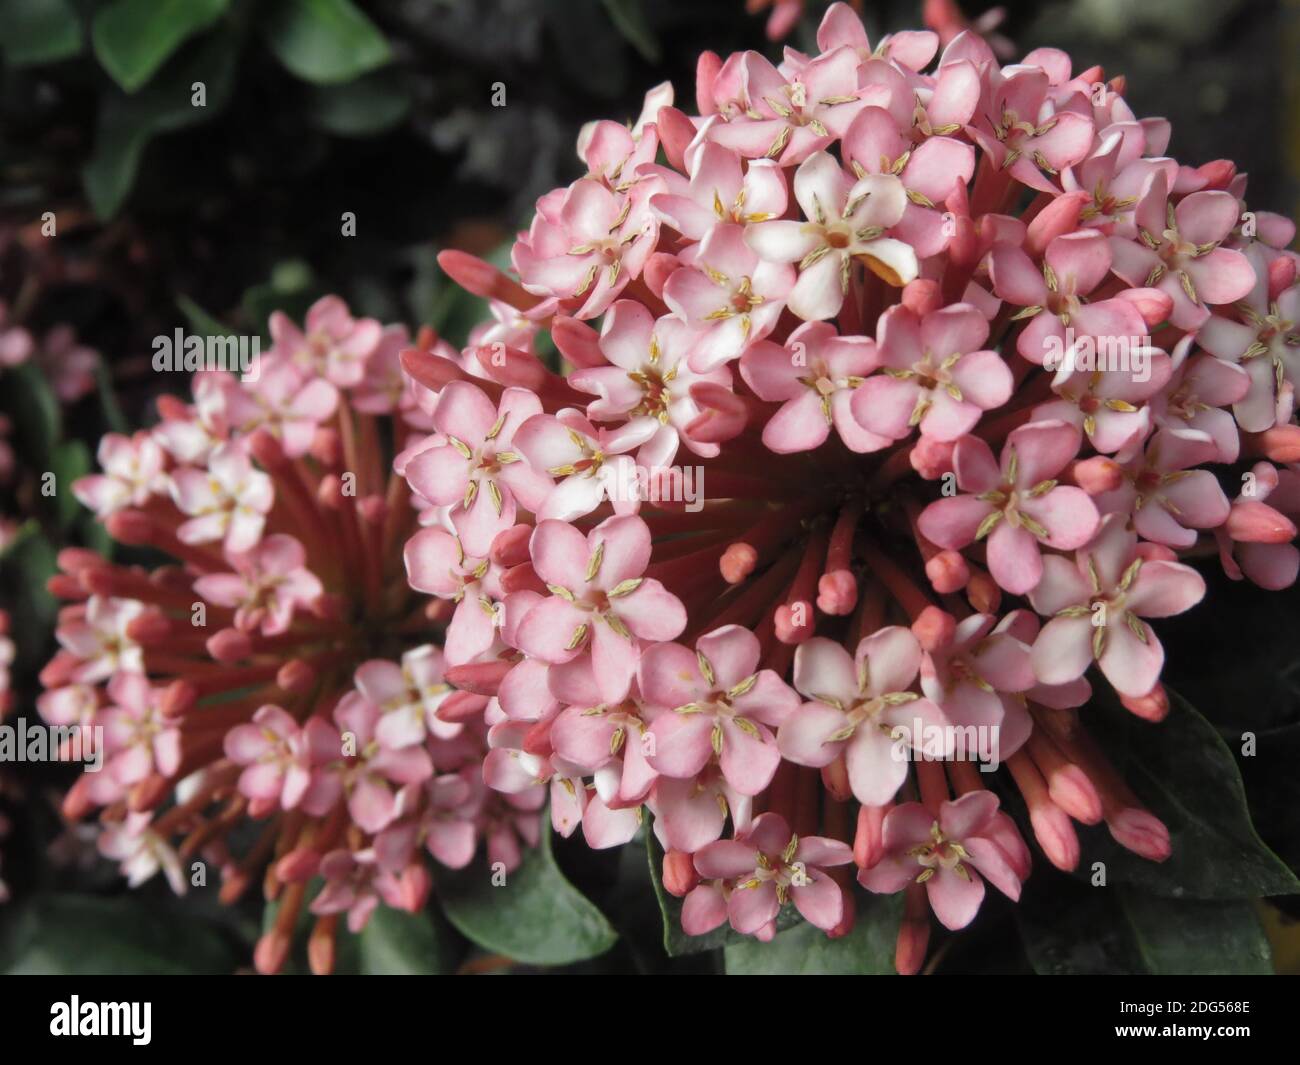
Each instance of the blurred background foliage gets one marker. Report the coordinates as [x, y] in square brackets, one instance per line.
[197, 158]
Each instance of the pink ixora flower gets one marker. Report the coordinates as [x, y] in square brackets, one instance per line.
[1018, 505]
[791, 118]
[971, 676]
[437, 564]
[408, 696]
[1023, 132]
[721, 705]
[1266, 343]
[98, 641]
[814, 376]
[1168, 498]
[862, 708]
[934, 375]
[929, 172]
[600, 603]
[283, 401]
[588, 241]
[947, 854]
[133, 472]
[1096, 603]
[476, 471]
[729, 295]
[141, 852]
[720, 190]
[1178, 251]
[332, 344]
[1054, 294]
[227, 501]
[1109, 404]
[270, 582]
[138, 740]
[769, 866]
[648, 381]
[591, 463]
[279, 755]
[844, 220]
[369, 771]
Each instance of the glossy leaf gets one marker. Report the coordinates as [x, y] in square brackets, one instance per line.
[133, 38]
[38, 31]
[805, 950]
[1184, 771]
[536, 916]
[324, 41]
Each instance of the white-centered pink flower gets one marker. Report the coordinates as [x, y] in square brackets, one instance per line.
[951, 855]
[1097, 603]
[844, 221]
[934, 376]
[1018, 504]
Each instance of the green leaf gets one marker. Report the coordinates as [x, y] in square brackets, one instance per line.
[78, 935]
[397, 943]
[324, 41]
[203, 323]
[38, 31]
[133, 38]
[536, 916]
[35, 411]
[30, 562]
[69, 461]
[108, 404]
[1075, 929]
[629, 16]
[1197, 937]
[1183, 770]
[128, 123]
[363, 108]
[805, 950]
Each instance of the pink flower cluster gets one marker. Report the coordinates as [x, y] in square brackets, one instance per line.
[961, 362]
[69, 365]
[277, 668]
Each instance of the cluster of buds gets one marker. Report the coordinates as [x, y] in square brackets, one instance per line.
[893, 406]
[269, 665]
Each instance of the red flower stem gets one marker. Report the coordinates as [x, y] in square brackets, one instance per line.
[904, 590]
[933, 783]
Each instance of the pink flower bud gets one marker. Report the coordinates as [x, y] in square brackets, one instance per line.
[983, 593]
[1154, 706]
[947, 572]
[934, 628]
[1255, 522]
[837, 593]
[1141, 832]
[1097, 475]
[1059, 217]
[737, 562]
[658, 269]
[510, 548]
[931, 458]
[229, 646]
[923, 296]
[1152, 304]
[794, 621]
[679, 875]
[1055, 834]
